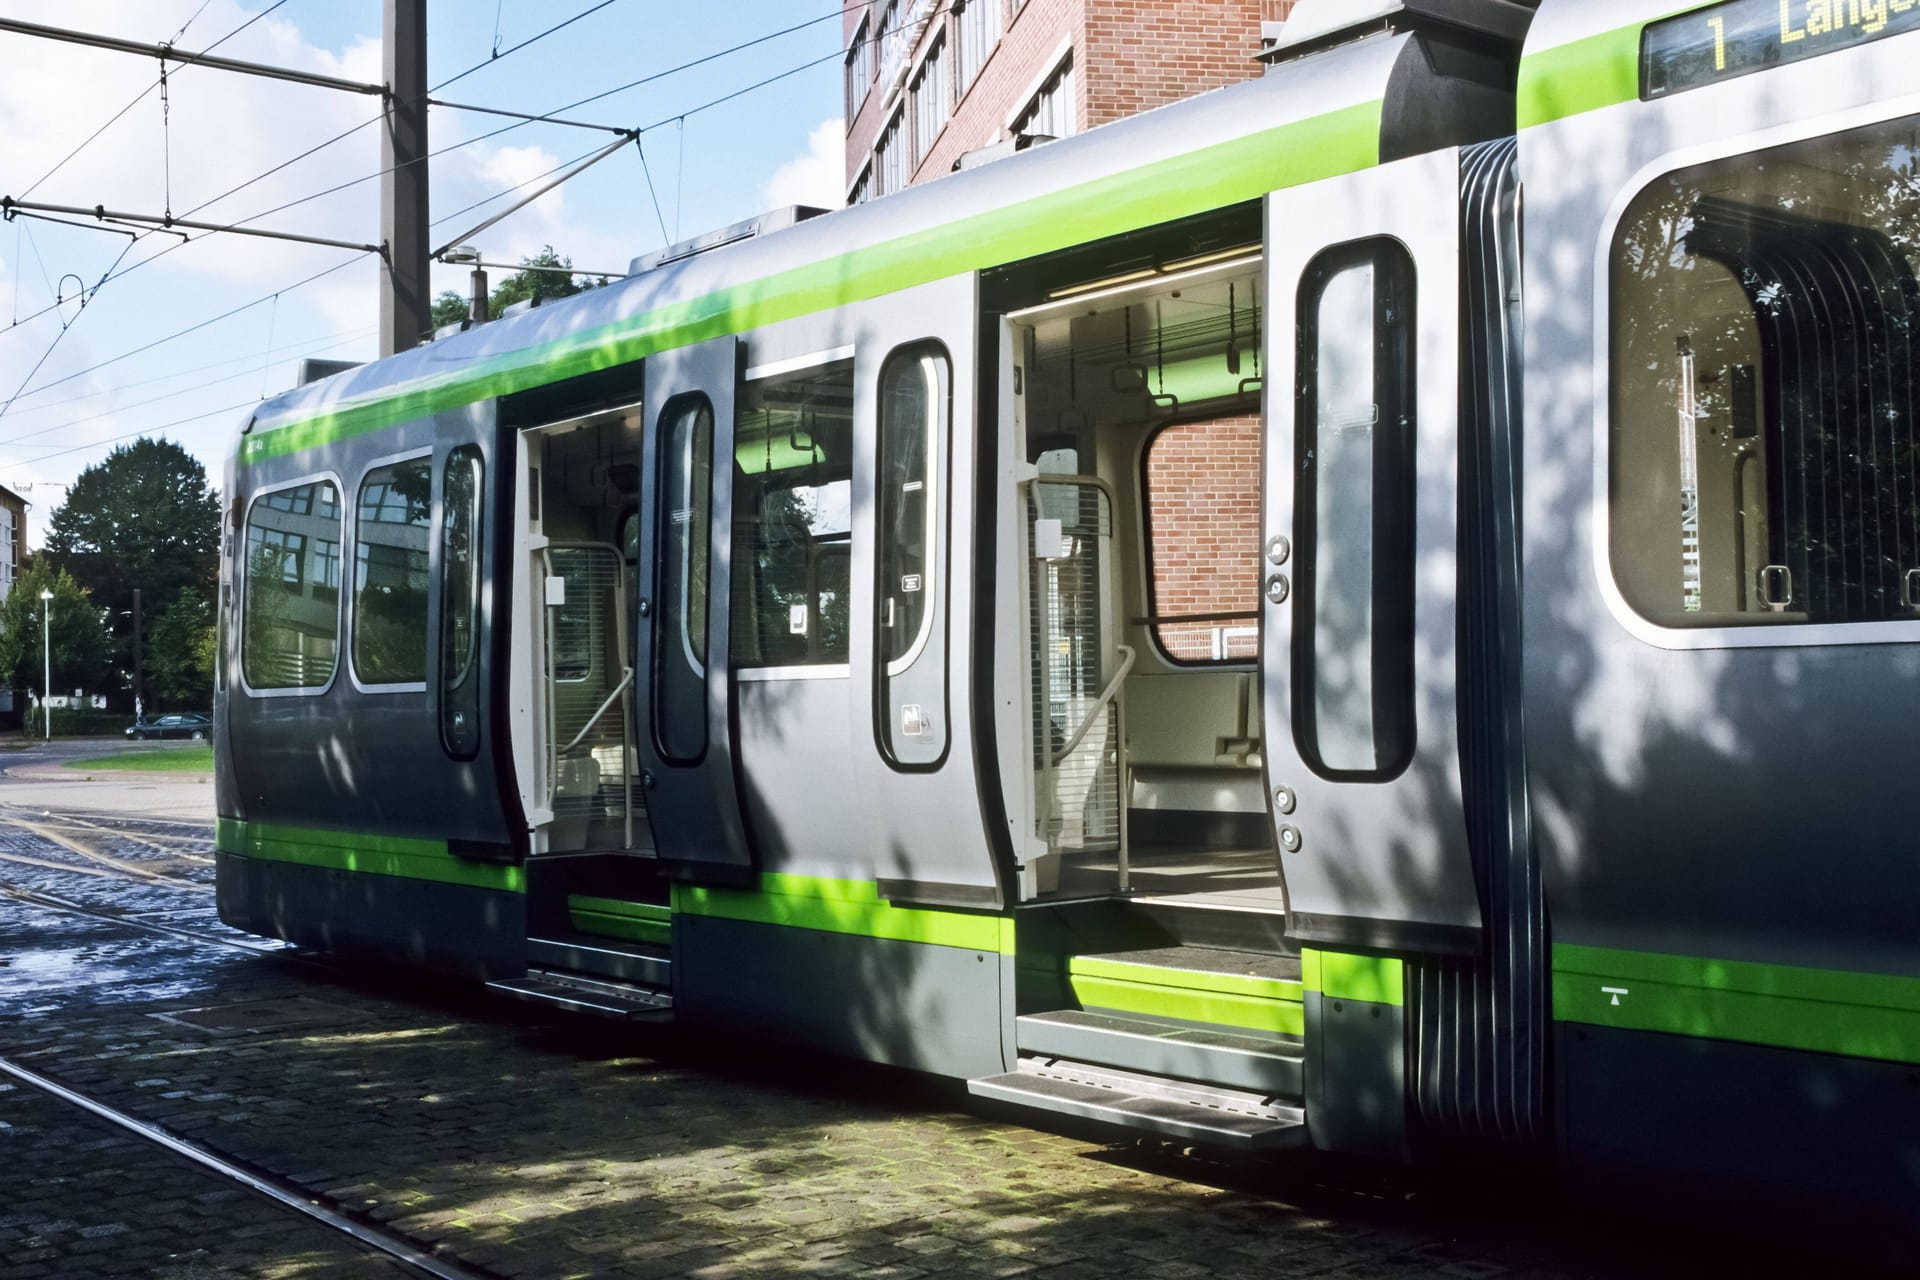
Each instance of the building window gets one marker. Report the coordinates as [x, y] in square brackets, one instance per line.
[1051, 113]
[390, 574]
[859, 72]
[890, 158]
[883, 35]
[1764, 450]
[976, 31]
[793, 518]
[290, 610]
[931, 102]
[862, 186]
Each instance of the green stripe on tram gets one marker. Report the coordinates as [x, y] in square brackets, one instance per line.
[845, 906]
[1858, 1015]
[405, 858]
[1339, 975]
[1588, 74]
[1324, 146]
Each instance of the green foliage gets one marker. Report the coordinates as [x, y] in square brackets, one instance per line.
[144, 517]
[180, 650]
[188, 759]
[80, 644]
[449, 308]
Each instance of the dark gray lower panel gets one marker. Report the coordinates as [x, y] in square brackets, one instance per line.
[1356, 1077]
[932, 1008]
[1815, 1136]
[446, 927]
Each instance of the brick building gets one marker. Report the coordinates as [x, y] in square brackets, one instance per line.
[928, 81]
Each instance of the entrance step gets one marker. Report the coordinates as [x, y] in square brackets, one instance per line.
[595, 997]
[1233, 922]
[1228, 990]
[1227, 1118]
[1266, 1064]
[641, 965]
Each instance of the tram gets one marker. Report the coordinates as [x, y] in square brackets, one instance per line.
[781, 639]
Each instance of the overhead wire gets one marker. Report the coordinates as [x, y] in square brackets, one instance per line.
[678, 117]
[139, 97]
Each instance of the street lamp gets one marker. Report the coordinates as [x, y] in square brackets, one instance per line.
[46, 636]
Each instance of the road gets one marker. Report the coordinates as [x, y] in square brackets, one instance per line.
[524, 1146]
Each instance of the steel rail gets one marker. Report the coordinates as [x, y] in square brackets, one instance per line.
[381, 1240]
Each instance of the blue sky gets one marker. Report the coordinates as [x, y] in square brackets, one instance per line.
[777, 145]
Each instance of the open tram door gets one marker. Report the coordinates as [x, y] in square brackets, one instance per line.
[683, 690]
[1361, 618]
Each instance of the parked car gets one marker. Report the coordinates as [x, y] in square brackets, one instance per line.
[184, 724]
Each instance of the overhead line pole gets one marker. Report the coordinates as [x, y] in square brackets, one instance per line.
[405, 310]
[167, 53]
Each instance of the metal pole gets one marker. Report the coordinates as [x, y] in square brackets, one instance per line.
[477, 308]
[46, 680]
[405, 310]
[139, 702]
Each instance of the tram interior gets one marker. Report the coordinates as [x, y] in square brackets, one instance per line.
[1140, 404]
[586, 477]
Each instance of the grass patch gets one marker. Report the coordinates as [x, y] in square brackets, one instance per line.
[194, 759]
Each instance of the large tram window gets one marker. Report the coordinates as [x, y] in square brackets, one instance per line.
[1353, 636]
[290, 609]
[390, 574]
[793, 518]
[680, 622]
[912, 497]
[1203, 539]
[1764, 456]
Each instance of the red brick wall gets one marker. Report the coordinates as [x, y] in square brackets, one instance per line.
[1203, 487]
[1129, 56]
[1142, 54]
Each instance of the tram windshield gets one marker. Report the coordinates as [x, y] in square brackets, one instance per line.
[1765, 456]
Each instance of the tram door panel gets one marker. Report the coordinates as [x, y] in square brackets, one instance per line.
[1358, 661]
[683, 695]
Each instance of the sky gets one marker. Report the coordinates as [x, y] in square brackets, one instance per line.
[74, 379]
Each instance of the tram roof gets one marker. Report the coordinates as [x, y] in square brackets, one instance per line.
[1310, 120]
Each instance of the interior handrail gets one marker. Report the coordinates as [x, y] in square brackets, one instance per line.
[626, 679]
[1106, 695]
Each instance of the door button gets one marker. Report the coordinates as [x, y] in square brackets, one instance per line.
[1278, 589]
[1278, 549]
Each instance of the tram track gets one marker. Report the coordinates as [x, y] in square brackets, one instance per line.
[382, 1240]
[131, 870]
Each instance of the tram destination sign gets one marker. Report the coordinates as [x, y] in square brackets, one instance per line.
[1741, 37]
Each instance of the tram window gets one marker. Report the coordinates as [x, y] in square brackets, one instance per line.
[460, 566]
[290, 606]
[793, 518]
[1353, 635]
[1764, 455]
[1203, 538]
[390, 574]
[915, 407]
[680, 622]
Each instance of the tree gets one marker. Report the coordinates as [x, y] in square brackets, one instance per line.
[143, 517]
[528, 282]
[180, 651]
[79, 641]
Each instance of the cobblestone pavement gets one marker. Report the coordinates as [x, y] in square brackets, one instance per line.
[557, 1150]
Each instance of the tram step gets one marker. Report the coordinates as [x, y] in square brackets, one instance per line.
[595, 997]
[1228, 1118]
[641, 965]
[1262, 1063]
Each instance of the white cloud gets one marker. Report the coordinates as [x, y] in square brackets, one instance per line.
[816, 175]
